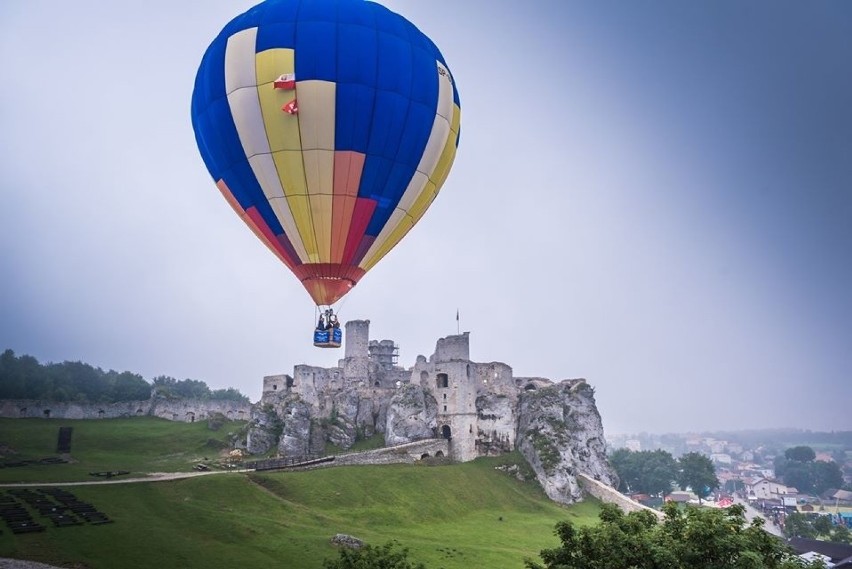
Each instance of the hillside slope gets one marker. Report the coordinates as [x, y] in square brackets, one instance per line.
[450, 516]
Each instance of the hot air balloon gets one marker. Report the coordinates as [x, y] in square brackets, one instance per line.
[329, 126]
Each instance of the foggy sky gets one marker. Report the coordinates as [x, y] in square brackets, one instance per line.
[656, 196]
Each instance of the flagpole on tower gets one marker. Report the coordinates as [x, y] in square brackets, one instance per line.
[457, 322]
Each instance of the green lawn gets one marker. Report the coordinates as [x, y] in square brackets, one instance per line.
[140, 444]
[450, 516]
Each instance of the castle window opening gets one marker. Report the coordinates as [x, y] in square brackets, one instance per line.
[274, 387]
[46, 413]
[424, 455]
[289, 381]
[100, 413]
[439, 453]
[139, 411]
[377, 384]
[445, 408]
[445, 396]
[443, 381]
[529, 387]
[468, 370]
[446, 432]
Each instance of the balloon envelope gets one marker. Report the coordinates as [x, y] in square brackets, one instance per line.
[329, 126]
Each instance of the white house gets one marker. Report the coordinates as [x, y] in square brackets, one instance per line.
[765, 489]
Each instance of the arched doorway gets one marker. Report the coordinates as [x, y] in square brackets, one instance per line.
[446, 432]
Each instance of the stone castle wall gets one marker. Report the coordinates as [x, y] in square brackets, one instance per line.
[188, 410]
[452, 348]
[402, 454]
[610, 495]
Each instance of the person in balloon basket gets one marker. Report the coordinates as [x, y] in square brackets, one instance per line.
[328, 320]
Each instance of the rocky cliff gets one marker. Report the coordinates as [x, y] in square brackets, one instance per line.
[556, 427]
[560, 434]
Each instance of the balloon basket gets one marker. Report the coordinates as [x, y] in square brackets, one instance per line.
[328, 338]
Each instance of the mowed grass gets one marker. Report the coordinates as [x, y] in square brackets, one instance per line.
[449, 516]
[139, 445]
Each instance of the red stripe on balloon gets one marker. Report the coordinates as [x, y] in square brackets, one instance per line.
[362, 249]
[348, 166]
[328, 282]
[266, 237]
[364, 208]
[272, 239]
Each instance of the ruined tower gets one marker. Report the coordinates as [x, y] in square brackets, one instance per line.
[384, 353]
[451, 377]
[356, 357]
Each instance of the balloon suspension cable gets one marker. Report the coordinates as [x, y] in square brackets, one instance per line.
[342, 304]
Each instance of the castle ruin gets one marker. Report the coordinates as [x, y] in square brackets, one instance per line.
[472, 405]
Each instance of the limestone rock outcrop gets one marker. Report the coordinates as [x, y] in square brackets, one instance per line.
[411, 416]
[264, 430]
[497, 415]
[560, 434]
[296, 432]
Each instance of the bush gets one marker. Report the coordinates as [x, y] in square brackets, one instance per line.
[368, 557]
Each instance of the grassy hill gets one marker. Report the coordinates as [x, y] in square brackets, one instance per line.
[139, 445]
[450, 516]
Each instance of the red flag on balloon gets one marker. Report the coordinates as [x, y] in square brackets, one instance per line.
[286, 81]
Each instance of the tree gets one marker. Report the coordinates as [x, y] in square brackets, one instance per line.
[780, 462]
[130, 387]
[622, 463]
[800, 454]
[229, 394]
[698, 538]
[826, 475]
[798, 525]
[823, 526]
[797, 468]
[799, 475]
[369, 557]
[841, 534]
[697, 472]
[647, 471]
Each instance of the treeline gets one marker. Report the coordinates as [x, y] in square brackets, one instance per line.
[655, 472]
[23, 377]
[798, 468]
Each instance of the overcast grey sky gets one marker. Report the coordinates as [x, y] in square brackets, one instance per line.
[656, 196]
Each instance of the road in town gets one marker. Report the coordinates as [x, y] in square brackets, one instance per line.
[752, 513]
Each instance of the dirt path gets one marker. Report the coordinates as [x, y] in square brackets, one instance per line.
[151, 477]
[6, 563]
